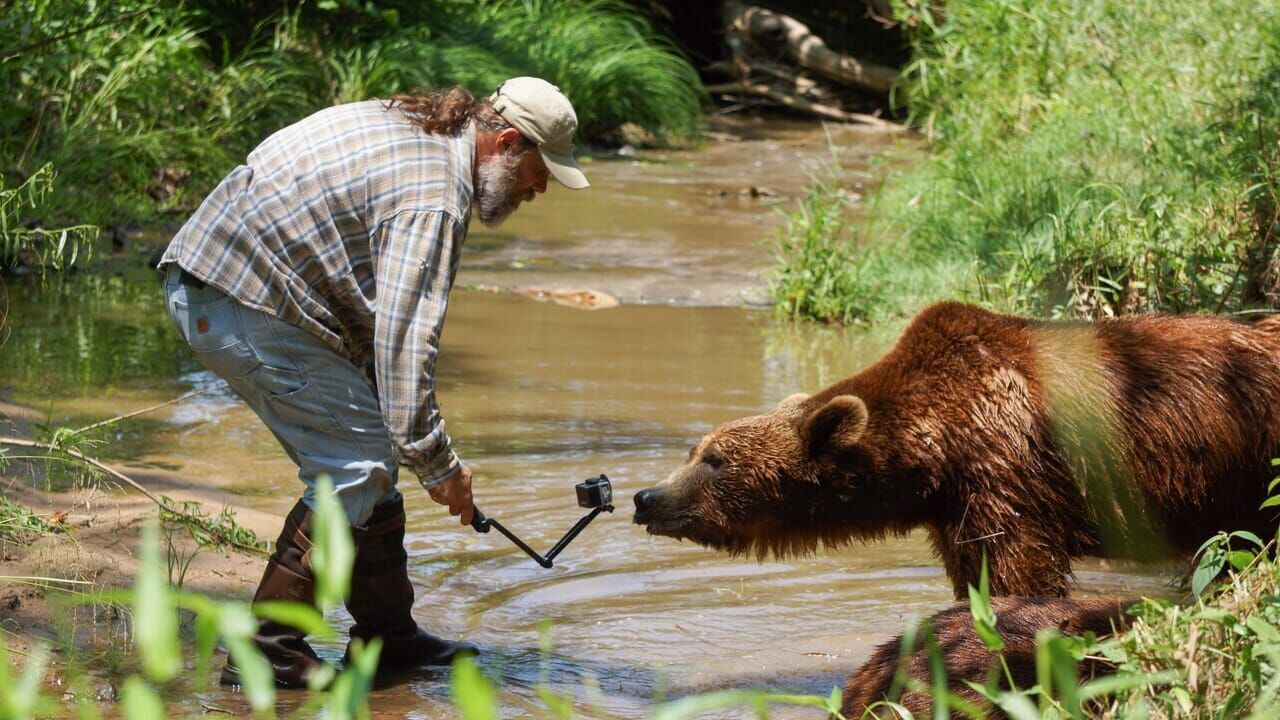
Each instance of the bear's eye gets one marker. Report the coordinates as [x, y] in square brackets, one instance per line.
[715, 461]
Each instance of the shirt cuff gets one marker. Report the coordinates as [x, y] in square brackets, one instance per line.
[434, 473]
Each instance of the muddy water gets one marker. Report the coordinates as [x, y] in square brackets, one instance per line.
[682, 227]
[538, 397]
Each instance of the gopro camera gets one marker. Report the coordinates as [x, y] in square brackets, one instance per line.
[595, 492]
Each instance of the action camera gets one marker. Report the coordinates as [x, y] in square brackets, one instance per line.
[595, 492]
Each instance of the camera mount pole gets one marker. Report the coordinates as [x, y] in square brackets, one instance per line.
[482, 524]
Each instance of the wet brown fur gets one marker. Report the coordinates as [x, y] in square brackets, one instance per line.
[1033, 441]
[966, 658]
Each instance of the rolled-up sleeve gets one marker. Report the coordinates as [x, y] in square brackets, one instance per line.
[416, 257]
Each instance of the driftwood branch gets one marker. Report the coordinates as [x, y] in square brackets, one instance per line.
[121, 477]
[143, 411]
[161, 502]
[806, 49]
[798, 103]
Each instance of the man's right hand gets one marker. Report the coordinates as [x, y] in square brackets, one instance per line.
[455, 492]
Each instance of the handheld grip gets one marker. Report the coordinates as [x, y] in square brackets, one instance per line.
[479, 522]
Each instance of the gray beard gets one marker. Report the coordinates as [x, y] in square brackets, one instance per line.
[496, 196]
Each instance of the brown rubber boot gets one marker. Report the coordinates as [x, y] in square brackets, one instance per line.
[288, 577]
[381, 597]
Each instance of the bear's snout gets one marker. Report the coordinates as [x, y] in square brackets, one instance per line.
[645, 500]
[663, 512]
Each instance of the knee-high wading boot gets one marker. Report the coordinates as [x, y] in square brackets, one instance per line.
[288, 577]
[381, 598]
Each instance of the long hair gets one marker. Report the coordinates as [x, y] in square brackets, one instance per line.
[447, 112]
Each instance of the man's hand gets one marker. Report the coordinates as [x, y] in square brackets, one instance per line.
[455, 492]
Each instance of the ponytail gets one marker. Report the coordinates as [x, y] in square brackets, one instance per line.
[447, 112]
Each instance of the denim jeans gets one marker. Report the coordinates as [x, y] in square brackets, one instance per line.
[319, 405]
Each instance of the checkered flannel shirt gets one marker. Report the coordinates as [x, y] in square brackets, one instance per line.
[349, 224]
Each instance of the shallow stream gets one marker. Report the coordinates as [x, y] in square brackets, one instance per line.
[539, 396]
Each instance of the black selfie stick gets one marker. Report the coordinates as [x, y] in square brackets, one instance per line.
[595, 493]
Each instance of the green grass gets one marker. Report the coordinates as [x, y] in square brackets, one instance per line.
[1223, 651]
[19, 525]
[602, 53]
[1089, 158]
[819, 271]
[139, 109]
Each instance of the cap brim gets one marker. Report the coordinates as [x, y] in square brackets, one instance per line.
[565, 170]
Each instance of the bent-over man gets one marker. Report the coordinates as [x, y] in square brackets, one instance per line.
[314, 280]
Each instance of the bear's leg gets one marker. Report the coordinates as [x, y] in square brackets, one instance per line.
[1021, 560]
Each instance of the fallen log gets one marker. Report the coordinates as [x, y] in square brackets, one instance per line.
[800, 104]
[805, 48]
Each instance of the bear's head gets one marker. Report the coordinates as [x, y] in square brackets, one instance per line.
[781, 482]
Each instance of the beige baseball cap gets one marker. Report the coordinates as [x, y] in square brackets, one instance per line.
[544, 115]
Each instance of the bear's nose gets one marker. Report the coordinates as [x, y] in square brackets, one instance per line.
[644, 503]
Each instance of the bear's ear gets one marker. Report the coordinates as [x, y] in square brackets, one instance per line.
[837, 425]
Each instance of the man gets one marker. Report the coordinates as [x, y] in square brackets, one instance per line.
[314, 280]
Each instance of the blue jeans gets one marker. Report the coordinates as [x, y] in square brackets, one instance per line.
[319, 405]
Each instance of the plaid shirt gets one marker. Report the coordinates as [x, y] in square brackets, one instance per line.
[349, 224]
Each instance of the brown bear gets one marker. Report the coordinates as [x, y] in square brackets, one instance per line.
[964, 656]
[1029, 441]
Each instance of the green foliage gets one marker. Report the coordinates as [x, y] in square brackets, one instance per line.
[220, 533]
[1090, 157]
[55, 248]
[128, 93]
[984, 618]
[20, 697]
[140, 108]
[332, 547]
[602, 53]
[1217, 658]
[819, 273]
[20, 526]
[157, 635]
[472, 693]
[1216, 554]
[757, 700]
[58, 463]
[156, 605]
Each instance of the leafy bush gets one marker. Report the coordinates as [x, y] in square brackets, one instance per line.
[141, 107]
[1221, 654]
[158, 644]
[1090, 157]
[818, 271]
[602, 53]
[41, 247]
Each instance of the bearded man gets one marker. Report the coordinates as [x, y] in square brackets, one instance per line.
[314, 280]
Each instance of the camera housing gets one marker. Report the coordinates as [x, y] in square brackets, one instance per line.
[595, 492]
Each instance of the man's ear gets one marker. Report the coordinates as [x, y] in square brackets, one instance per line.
[837, 426]
[508, 138]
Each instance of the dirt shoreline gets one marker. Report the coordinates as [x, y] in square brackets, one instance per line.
[98, 542]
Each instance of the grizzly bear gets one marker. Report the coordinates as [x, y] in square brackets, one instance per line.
[886, 673]
[1030, 442]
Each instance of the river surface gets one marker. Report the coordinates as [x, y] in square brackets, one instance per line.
[538, 397]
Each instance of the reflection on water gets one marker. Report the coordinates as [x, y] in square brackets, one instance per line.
[538, 397]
